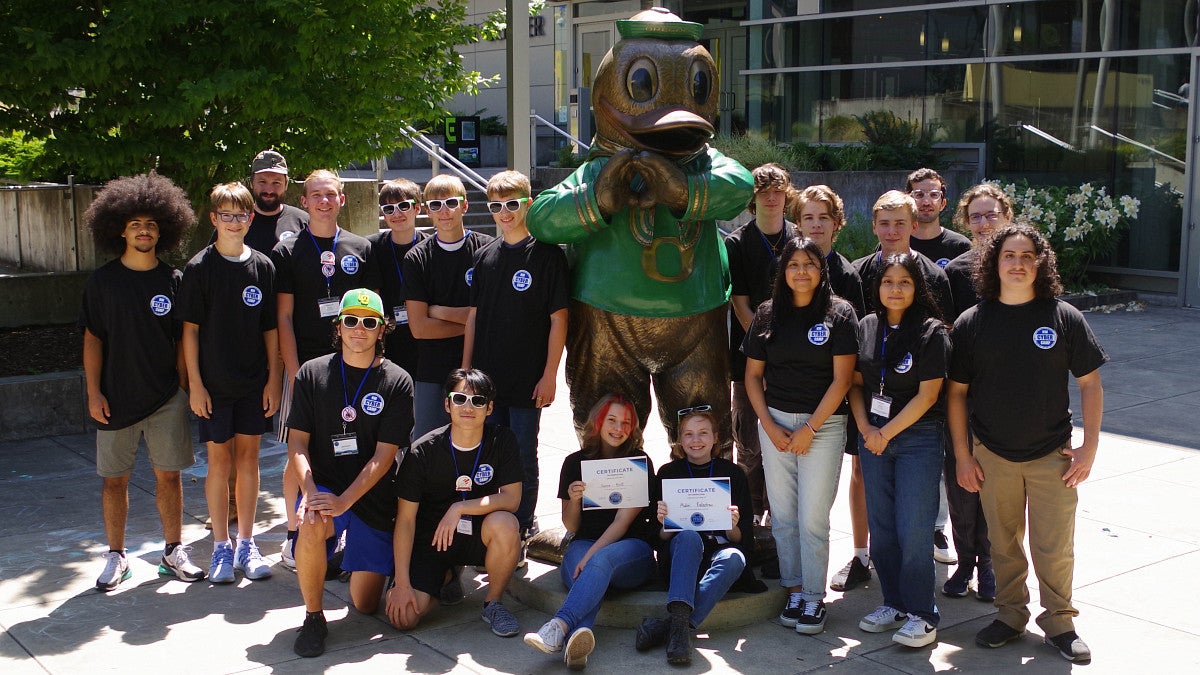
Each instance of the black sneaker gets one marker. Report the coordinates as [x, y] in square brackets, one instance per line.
[812, 621]
[311, 640]
[959, 583]
[853, 574]
[1071, 647]
[793, 610]
[452, 592]
[997, 634]
[650, 634]
[986, 591]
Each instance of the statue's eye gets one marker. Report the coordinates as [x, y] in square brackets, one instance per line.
[642, 80]
[702, 82]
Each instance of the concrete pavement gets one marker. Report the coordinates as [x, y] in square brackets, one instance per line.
[1137, 543]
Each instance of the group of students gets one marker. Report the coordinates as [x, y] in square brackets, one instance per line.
[411, 466]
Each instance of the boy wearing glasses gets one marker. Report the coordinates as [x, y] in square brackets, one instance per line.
[930, 239]
[437, 285]
[399, 206]
[351, 415]
[231, 349]
[456, 492]
[517, 324]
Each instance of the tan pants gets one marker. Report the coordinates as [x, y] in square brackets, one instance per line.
[1008, 489]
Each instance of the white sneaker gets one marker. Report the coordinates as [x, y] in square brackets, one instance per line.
[116, 570]
[550, 637]
[916, 633]
[249, 561]
[883, 619]
[579, 647]
[180, 565]
[287, 554]
[941, 549]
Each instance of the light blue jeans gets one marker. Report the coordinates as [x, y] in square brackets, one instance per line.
[627, 563]
[687, 554]
[801, 489]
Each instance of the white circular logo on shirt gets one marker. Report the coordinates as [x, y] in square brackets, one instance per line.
[160, 305]
[470, 275]
[1045, 337]
[285, 235]
[251, 295]
[522, 280]
[372, 403]
[483, 475]
[942, 262]
[818, 334]
[905, 364]
[349, 264]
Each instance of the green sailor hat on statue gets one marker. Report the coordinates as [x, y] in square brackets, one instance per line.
[660, 23]
[362, 299]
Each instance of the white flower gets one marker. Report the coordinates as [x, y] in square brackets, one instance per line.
[1072, 233]
[1106, 202]
[1075, 199]
[1130, 206]
[1034, 212]
[1010, 189]
[1114, 218]
[1086, 190]
[1050, 226]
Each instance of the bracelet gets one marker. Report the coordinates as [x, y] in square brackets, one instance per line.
[810, 427]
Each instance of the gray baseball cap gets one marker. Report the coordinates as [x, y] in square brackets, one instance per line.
[269, 160]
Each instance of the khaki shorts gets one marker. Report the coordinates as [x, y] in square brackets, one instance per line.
[168, 441]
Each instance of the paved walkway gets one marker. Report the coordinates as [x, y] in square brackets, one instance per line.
[1137, 539]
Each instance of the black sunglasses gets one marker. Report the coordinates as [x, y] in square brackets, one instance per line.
[683, 412]
[460, 399]
[402, 207]
[352, 321]
[436, 204]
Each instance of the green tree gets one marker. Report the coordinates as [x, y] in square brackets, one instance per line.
[196, 88]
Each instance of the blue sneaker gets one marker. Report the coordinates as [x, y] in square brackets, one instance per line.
[250, 562]
[221, 569]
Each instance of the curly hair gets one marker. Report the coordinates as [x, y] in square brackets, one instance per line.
[987, 276]
[146, 194]
[591, 435]
[677, 451]
[975, 192]
[924, 174]
[820, 193]
[781, 303]
[770, 176]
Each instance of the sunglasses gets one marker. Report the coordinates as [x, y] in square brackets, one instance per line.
[402, 207]
[232, 217]
[684, 412]
[460, 399]
[352, 321]
[511, 205]
[436, 204]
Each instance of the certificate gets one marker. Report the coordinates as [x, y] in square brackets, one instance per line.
[615, 483]
[700, 504]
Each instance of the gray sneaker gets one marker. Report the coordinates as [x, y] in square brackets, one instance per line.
[501, 620]
[549, 639]
[221, 569]
[180, 565]
[116, 570]
[250, 562]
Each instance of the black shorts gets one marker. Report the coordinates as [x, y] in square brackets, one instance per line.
[243, 417]
[428, 566]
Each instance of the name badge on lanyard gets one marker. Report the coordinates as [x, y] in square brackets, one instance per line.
[465, 526]
[329, 307]
[881, 405]
[344, 444]
[401, 314]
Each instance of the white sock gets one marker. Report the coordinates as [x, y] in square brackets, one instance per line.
[863, 555]
[227, 543]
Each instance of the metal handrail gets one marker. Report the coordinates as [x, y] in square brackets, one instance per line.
[534, 118]
[436, 153]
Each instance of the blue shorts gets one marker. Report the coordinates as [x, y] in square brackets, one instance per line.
[364, 548]
[243, 417]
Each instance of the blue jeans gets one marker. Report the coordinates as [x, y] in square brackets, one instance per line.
[525, 424]
[687, 553]
[627, 563]
[429, 408]
[902, 502]
[801, 489]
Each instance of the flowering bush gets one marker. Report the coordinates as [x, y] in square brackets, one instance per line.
[1082, 223]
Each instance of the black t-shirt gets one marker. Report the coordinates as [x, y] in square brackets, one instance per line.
[593, 522]
[436, 276]
[845, 282]
[298, 272]
[428, 473]
[266, 231]
[514, 291]
[233, 302]
[915, 352]
[943, 248]
[384, 414]
[1016, 359]
[799, 355]
[388, 258]
[960, 272]
[739, 497]
[869, 267]
[133, 313]
[752, 267]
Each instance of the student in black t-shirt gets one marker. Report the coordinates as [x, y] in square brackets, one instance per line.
[231, 347]
[753, 251]
[930, 239]
[902, 356]
[821, 214]
[132, 363]
[399, 206]
[800, 353]
[983, 208]
[437, 285]
[611, 545]
[517, 325]
[456, 493]
[703, 565]
[312, 271]
[1013, 353]
[351, 415]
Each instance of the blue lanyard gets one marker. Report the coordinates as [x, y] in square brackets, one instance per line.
[399, 274]
[711, 465]
[454, 456]
[328, 279]
[345, 392]
[882, 359]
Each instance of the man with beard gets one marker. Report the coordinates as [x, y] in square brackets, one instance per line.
[273, 220]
